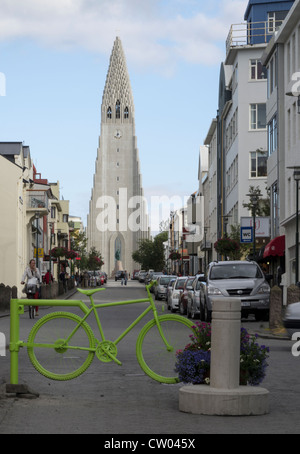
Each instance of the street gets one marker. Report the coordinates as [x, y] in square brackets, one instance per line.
[112, 399]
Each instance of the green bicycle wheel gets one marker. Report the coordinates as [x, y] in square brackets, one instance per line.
[51, 354]
[152, 354]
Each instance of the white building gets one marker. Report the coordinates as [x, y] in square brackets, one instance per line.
[282, 58]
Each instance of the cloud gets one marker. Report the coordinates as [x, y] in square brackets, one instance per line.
[154, 36]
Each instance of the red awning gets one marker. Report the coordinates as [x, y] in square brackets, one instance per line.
[276, 247]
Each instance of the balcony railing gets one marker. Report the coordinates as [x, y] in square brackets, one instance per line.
[250, 33]
[37, 201]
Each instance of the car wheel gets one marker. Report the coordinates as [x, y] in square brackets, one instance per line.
[181, 309]
[193, 313]
[188, 312]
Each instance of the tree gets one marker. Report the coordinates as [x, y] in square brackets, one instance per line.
[150, 254]
[262, 207]
[94, 260]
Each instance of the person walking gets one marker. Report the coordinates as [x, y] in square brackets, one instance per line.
[33, 277]
[125, 277]
[122, 277]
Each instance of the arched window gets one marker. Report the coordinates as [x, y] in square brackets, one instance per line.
[126, 113]
[118, 109]
[109, 112]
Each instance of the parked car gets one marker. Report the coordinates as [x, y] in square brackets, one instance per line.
[160, 290]
[170, 288]
[175, 295]
[193, 305]
[154, 277]
[118, 275]
[135, 275]
[183, 302]
[237, 279]
[102, 273]
[142, 276]
[291, 320]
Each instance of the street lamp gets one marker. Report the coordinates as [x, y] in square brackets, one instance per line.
[37, 216]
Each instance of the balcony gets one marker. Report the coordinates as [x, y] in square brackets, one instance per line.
[37, 202]
[251, 33]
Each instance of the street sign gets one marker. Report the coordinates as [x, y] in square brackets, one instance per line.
[40, 253]
[262, 225]
[246, 234]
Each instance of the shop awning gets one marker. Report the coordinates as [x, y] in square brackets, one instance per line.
[276, 247]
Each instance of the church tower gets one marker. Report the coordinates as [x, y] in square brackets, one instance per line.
[117, 216]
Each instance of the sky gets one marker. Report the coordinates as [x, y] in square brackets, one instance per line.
[54, 58]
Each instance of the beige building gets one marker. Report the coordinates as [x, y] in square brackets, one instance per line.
[117, 213]
[33, 219]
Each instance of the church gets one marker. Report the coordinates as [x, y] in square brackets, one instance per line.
[117, 217]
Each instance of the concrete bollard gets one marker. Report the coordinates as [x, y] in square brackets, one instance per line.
[224, 396]
[226, 341]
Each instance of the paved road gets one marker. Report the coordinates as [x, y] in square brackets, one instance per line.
[111, 400]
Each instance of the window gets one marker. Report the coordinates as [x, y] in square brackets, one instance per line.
[126, 113]
[275, 210]
[257, 116]
[109, 112]
[257, 70]
[65, 218]
[258, 164]
[275, 19]
[272, 74]
[272, 135]
[53, 212]
[118, 109]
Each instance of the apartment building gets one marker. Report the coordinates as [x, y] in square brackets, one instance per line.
[282, 59]
[237, 138]
[29, 225]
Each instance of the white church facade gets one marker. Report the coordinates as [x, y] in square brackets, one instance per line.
[117, 217]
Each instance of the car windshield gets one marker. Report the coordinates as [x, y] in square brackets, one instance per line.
[164, 280]
[180, 283]
[240, 271]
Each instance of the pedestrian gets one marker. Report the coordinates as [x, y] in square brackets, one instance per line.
[125, 277]
[33, 278]
[48, 277]
[62, 278]
[122, 277]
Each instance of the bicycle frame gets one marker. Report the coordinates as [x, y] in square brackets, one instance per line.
[17, 308]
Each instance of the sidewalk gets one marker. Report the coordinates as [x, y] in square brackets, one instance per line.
[64, 296]
[268, 333]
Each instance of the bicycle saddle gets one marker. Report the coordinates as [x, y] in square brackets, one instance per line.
[90, 292]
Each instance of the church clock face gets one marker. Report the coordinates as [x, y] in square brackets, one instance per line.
[118, 134]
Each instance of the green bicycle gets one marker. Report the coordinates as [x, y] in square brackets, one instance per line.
[61, 345]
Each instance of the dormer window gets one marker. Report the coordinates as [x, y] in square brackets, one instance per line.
[109, 112]
[118, 109]
[126, 113]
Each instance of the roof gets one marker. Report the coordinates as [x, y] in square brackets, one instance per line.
[10, 148]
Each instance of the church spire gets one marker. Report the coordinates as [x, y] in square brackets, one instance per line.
[117, 101]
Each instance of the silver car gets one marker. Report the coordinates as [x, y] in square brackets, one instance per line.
[177, 289]
[160, 290]
[193, 305]
[238, 279]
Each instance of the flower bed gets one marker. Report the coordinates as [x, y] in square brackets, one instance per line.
[193, 362]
